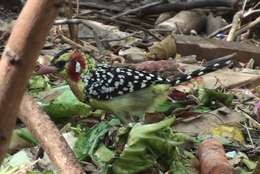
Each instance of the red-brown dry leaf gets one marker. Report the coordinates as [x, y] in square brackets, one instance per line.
[212, 158]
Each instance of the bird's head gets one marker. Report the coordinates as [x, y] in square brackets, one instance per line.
[70, 65]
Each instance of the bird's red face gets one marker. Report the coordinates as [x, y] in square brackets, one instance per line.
[76, 65]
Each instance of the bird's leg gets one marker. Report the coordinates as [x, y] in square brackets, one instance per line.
[125, 117]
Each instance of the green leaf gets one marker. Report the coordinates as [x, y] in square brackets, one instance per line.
[207, 96]
[65, 104]
[103, 154]
[37, 84]
[26, 135]
[150, 144]
[89, 140]
[169, 105]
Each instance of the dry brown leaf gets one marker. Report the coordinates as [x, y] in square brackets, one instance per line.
[162, 50]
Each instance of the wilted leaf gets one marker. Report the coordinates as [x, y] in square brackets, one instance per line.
[103, 154]
[150, 144]
[229, 131]
[37, 84]
[162, 50]
[26, 135]
[211, 97]
[65, 104]
[89, 141]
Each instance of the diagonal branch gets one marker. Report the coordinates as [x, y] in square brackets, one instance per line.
[18, 59]
[49, 137]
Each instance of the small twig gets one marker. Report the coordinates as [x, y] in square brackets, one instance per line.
[95, 34]
[256, 5]
[248, 133]
[98, 5]
[133, 26]
[121, 38]
[186, 5]
[244, 6]
[88, 48]
[77, 8]
[247, 27]
[220, 30]
[67, 21]
[256, 124]
[78, 21]
[135, 10]
[250, 12]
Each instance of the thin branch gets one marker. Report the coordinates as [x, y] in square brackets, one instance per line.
[247, 27]
[186, 5]
[132, 26]
[135, 10]
[220, 30]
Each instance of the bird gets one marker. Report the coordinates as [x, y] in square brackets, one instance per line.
[125, 92]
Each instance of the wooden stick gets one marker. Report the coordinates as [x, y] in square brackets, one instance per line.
[18, 59]
[235, 26]
[205, 48]
[49, 137]
[187, 5]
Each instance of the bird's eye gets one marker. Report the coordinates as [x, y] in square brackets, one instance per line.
[60, 64]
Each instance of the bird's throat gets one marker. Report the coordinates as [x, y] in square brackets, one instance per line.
[76, 89]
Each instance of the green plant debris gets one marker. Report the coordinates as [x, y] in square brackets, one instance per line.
[150, 144]
[65, 104]
[212, 97]
[89, 141]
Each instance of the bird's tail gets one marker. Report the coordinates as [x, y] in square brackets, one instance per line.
[209, 67]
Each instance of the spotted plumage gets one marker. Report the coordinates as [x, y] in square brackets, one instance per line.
[105, 82]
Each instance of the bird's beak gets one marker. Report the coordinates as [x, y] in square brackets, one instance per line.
[45, 69]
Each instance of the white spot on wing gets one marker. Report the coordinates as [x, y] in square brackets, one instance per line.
[216, 64]
[129, 73]
[200, 73]
[188, 77]
[110, 74]
[117, 83]
[121, 81]
[148, 77]
[228, 62]
[177, 82]
[143, 85]
[159, 78]
[136, 77]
